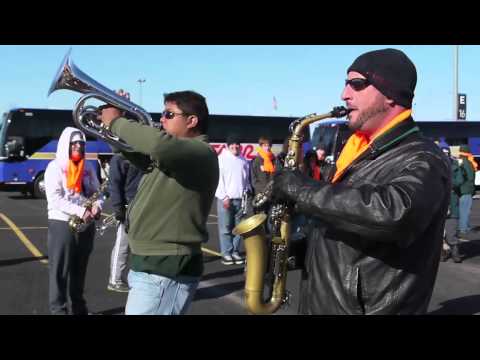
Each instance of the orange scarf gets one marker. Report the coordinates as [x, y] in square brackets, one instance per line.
[316, 172]
[470, 158]
[358, 143]
[268, 158]
[75, 175]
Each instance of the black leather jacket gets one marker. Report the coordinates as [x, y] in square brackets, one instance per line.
[374, 244]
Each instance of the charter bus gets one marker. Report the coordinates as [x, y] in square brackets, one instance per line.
[29, 137]
[451, 133]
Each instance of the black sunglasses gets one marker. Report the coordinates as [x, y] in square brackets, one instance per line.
[357, 84]
[170, 114]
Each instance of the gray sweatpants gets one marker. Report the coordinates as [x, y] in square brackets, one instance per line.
[68, 255]
[451, 231]
[119, 257]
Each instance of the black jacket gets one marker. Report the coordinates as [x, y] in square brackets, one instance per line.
[374, 244]
[124, 180]
[259, 179]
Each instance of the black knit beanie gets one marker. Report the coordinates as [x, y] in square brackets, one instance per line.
[391, 72]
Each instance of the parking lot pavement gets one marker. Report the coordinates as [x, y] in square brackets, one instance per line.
[24, 270]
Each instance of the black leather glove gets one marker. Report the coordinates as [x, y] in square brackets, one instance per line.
[287, 184]
[120, 215]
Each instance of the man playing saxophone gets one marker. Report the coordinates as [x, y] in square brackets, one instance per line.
[69, 181]
[377, 224]
[166, 221]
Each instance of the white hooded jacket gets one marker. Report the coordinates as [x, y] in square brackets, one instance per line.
[63, 202]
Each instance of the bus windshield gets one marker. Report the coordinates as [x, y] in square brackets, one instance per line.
[36, 127]
[3, 125]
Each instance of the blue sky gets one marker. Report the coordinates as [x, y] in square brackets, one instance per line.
[235, 79]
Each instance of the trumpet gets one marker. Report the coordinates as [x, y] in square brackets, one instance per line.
[70, 77]
[108, 222]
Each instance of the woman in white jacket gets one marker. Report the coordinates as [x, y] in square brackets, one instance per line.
[69, 181]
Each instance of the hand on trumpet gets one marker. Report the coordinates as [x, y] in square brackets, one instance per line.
[108, 113]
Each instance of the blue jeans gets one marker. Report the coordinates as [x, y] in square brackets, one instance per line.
[464, 207]
[227, 220]
[152, 294]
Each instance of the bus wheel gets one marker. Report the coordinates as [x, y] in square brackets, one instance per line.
[26, 192]
[39, 187]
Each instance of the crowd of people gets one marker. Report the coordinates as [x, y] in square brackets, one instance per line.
[457, 224]
[378, 211]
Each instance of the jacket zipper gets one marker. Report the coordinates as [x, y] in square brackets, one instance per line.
[129, 209]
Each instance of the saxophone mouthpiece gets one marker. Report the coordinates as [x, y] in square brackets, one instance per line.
[340, 111]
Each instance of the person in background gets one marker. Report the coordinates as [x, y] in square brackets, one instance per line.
[314, 161]
[467, 189]
[263, 165]
[124, 180]
[69, 181]
[233, 182]
[451, 243]
[280, 158]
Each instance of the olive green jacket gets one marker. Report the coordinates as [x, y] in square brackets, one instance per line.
[468, 186]
[168, 215]
[457, 180]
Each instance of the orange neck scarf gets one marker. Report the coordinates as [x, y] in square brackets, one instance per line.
[316, 172]
[267, 157]
[75, 175]
[471, 159]
[358, 143]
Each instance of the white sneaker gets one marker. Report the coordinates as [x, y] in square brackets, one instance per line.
[227, 260]
[238, 259]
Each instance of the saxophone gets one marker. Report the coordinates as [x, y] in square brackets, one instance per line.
[252, 230]
[75, 222]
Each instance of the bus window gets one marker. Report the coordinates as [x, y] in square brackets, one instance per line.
[456, 141]
[330, 138]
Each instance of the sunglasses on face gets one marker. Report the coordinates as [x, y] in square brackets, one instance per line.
[170, 114]
[357, 84]
[78, 142]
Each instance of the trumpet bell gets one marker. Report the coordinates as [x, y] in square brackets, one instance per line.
[70, 77]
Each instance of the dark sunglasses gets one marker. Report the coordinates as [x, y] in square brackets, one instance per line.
[170, 114]
[79, 142]
[357, 84]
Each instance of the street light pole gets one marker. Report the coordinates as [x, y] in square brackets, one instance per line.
[140, 82]
[455, 82]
